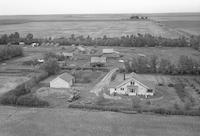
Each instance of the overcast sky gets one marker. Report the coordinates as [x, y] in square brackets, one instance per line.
[10, 7]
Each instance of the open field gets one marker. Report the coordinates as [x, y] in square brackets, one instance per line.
[58, 122]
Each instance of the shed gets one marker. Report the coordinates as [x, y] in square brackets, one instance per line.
[107, 51]
[98, 59]
[65, 80]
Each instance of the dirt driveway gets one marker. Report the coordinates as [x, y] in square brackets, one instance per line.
[104, 82]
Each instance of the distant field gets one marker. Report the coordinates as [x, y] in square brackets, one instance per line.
[92, 28]
[97, 25]
[191, 27]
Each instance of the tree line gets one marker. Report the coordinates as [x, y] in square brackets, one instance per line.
[152, 64]
[139, 40]
[7, 52]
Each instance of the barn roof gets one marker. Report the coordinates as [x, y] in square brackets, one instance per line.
[66, 76]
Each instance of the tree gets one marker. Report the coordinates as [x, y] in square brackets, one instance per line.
[51, 66]
[153, 63]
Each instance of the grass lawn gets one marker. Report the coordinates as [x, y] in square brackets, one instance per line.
[58, 122]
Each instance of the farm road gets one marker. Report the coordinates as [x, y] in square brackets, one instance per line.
[104, 82]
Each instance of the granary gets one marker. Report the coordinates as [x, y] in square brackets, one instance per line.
[98, 59]
[134, 85]
[65, 80]
[107, 51]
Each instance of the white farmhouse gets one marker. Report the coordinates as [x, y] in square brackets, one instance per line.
[134, 85]
[65, 80]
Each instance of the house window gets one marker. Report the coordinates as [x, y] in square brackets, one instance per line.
[132, 91]
[149, 91]
[132, 83]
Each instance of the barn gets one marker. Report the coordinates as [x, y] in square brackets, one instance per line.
[65, 80]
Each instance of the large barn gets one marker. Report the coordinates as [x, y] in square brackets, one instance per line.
[65, 80]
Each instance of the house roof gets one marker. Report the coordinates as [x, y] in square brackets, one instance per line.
[98, 59]
[108, 50]
[137, 78]
[66, 76]
[70, 54]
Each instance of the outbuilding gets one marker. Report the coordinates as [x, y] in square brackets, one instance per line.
[65, 80]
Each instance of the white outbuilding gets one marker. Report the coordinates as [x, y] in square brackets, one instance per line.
[65, 80]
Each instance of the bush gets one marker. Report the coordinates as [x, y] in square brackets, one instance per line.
[31, 101]
[51, 66]
[136, 102]
[8, 52]
[170, 85]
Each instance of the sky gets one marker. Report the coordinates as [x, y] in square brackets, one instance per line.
[27, 7]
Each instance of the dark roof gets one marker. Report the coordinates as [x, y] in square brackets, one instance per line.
[139, 79]
[66, 76]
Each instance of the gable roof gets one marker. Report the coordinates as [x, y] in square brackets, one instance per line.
[137, 78]
[66, 77]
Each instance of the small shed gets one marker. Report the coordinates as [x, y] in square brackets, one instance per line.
[65, 80]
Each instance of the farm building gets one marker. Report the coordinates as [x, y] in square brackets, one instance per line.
[134, 85]
[68, 54]
[107, 51]
[21, 43]
[98, 59]
[81, 48]
[65, 80]
[35, 44]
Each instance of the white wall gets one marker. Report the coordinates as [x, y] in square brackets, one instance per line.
[59, 83]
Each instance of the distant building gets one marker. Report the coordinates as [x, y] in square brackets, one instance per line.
[134, 85]
[35, 44]
[81, 48]
[107, 51]
[98, 59]
[65, 80]
[68, 54]
[21, 43]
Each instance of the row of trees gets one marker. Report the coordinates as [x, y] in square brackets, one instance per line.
[139, 40]
[146, 40]
[185, 65]
[7, 52]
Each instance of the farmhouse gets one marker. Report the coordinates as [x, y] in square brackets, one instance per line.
[134, 85]
[107, 51]
[65, 80]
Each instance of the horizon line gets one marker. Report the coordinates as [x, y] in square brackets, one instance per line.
[97, 13]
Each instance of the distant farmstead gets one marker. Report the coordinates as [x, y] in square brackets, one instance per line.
[132, 86]
[65, 80]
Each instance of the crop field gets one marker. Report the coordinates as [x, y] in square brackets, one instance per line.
[92, 28]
